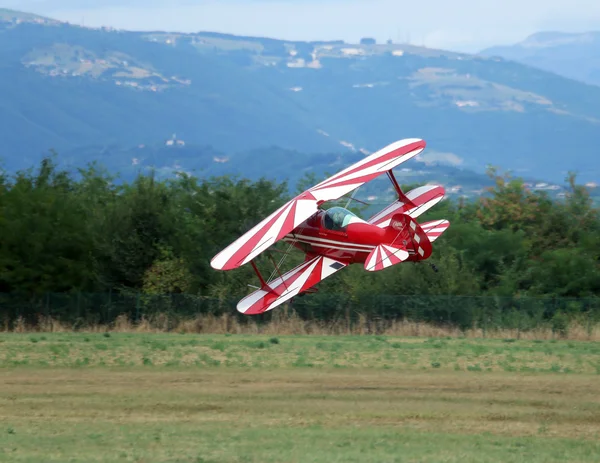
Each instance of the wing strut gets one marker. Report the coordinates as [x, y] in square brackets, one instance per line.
[281, 261]
[352, 197]
[401, 196]
[265, 284]
[262, 280]
[277, 270]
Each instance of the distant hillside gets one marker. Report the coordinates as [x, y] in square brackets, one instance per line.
[68, 86]
[18, 17]
[576, 56]
[175, 155]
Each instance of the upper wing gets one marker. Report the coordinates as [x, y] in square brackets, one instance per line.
[266, 233]
[296, 211]
[367, 169]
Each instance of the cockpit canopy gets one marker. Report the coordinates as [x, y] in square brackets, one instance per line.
[338, 218]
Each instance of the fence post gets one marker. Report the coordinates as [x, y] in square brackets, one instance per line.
[348, 327]
[485, 320]
[137, 307]
[518, 304]
[589, 322]
[109, 305]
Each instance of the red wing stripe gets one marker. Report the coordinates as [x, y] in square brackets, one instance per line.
[351, 181]
[314, 277]
[289, 222]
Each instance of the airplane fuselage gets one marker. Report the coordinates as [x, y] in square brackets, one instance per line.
[350, 242]
[334, 238]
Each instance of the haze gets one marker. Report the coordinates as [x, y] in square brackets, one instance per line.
[462, 25]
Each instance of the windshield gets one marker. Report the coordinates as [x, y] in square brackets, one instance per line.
[337, 218]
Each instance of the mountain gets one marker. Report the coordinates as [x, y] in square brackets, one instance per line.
[18, 17]
[66, 87]
[576, 56]
[175, 156]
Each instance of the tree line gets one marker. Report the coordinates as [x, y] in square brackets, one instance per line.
[85, 232]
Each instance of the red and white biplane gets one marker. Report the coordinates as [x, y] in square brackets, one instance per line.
[335, 238]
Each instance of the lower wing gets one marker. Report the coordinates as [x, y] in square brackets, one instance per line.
[421, 199]
[297, 280]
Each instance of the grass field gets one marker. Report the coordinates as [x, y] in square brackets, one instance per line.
[239, 398]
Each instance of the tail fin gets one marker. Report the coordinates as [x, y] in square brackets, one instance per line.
[406, 232]
[435, 228]
[405, 241]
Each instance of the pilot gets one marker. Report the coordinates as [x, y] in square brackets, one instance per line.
[338, 218]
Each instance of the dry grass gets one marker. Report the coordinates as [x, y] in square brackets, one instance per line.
[284, 323]
[296, 415]
[169, 397]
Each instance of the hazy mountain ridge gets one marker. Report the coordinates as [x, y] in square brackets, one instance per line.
[173, 156]
[69, 86]
[573, 55]
[14, 17]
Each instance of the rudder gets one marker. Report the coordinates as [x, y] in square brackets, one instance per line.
[404, 241]
[404, 231]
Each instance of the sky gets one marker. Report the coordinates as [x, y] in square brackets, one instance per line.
[459, 25]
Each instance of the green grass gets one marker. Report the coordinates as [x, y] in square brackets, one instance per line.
[372, 352]
[228, 398]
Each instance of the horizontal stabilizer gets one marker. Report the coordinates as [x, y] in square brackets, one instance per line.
[297, 280]
[384, 256]
[435, 228]
[421, 199]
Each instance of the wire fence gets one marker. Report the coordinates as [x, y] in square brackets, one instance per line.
[464, 312]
